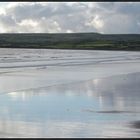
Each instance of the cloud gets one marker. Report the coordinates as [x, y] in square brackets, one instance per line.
[103, 17]
[96, 22]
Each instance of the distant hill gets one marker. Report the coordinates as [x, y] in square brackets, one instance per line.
[93, 41]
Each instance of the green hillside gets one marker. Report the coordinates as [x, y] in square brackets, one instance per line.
[91, 41]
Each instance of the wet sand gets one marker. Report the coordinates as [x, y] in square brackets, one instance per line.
[43, 68]
[136, 124]
[74, 110]
[77, 99]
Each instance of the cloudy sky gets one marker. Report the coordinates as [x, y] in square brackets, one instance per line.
[67, 17]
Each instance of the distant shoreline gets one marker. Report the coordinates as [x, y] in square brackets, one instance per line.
[65, 49]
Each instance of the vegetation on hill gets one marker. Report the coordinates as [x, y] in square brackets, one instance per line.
[93, 41]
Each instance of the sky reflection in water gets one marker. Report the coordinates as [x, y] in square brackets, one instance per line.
[95, 108]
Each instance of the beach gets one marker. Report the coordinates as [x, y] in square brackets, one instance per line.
[69, 93]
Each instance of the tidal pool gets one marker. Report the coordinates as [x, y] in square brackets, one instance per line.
[102, 107]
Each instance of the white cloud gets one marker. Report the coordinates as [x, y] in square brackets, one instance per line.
[28, 22]
[2, 11]
[96, 22]
[69, 31]
[107, 17]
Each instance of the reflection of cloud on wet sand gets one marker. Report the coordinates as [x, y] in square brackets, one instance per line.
[63, 129]
[109, 105]
[9, 128]
[120, 92]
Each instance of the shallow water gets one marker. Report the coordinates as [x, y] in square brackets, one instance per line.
[105, 107]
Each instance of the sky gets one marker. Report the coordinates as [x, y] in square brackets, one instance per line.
[70, 17]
